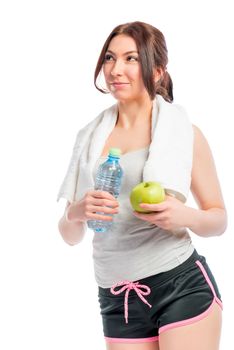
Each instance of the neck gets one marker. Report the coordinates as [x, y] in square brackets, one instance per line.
[134, 113]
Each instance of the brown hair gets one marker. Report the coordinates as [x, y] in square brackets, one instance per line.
[152, 49]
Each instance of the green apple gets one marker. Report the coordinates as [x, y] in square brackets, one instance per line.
[146, 192]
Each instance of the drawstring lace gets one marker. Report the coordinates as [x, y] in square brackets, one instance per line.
[140, 289]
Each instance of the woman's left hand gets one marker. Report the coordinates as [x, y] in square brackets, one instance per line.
[169, 214]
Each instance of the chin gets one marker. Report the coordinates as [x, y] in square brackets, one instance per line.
[121, 98]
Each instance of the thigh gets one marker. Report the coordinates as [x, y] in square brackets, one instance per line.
[123, 346]
[202, 335]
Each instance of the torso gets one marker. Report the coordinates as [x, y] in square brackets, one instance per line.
[128, 140]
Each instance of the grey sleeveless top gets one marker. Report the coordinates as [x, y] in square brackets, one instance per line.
[133, 248]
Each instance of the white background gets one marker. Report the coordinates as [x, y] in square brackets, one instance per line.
[48, 55]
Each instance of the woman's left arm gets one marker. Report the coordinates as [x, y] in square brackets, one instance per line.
[210, 219]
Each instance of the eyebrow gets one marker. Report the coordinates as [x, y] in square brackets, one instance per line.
[126, 53]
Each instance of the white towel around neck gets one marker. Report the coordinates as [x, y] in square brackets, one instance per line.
[170, 153]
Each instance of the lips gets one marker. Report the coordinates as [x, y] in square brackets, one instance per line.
[118, 86]
[118, 83]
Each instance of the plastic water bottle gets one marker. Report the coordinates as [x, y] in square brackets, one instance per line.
[108, 178]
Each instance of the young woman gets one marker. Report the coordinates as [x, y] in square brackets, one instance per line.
[155, 290]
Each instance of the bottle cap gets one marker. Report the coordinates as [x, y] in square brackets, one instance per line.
[116, 152]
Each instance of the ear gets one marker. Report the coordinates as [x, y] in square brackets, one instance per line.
[158, 73]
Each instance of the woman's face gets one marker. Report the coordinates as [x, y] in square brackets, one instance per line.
[122, 70]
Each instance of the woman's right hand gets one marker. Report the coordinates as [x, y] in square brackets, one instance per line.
[94, 201]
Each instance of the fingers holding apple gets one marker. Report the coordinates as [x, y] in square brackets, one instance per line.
[149, 192]
[150, 203]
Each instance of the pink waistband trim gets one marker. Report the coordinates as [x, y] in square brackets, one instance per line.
[127, 285]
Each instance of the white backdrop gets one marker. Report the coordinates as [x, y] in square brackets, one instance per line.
[48, 55]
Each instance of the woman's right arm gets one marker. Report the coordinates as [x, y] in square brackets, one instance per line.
[72, 231]
[72, 224]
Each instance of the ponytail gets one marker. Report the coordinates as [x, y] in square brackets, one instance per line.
[164, 87]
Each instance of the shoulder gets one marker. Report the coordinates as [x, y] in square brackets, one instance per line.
[205, 184]
[197, 130]
[201, 148]
[200, 141]
[95, 121]
[86, 131]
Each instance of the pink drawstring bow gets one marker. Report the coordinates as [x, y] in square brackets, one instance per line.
[127, 285]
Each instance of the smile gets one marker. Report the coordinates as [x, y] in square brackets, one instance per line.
[119, 85]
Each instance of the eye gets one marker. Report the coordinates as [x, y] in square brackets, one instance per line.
[132, 58]
[108, 57]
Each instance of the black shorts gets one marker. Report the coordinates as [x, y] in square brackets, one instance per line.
[141, 310]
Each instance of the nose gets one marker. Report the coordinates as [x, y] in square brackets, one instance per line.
[117, 68]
